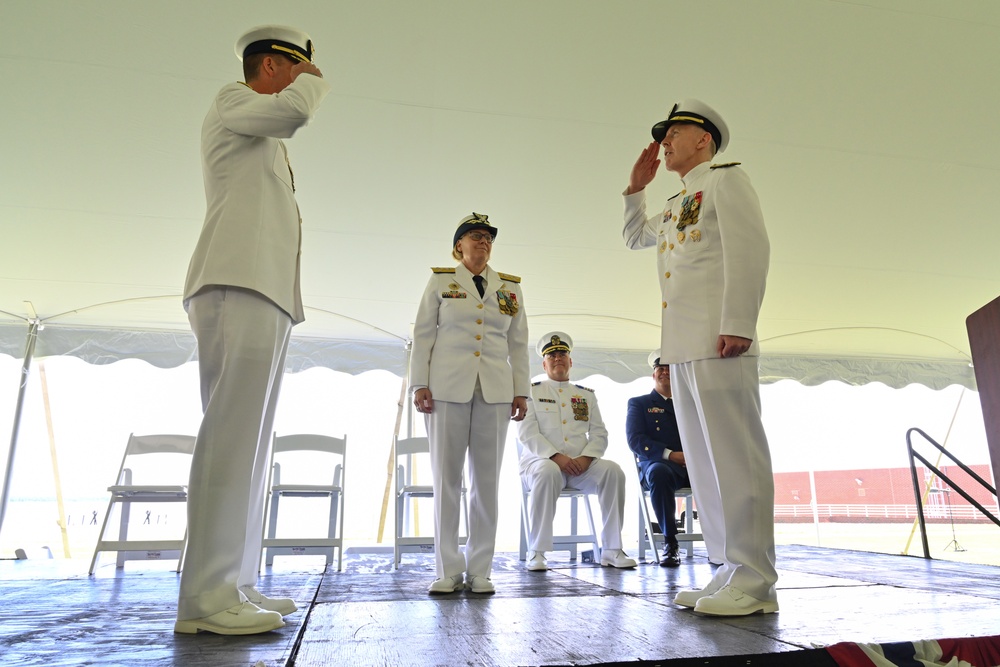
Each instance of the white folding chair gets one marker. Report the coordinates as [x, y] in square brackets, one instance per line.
[314, 467]
[412, 467]
[651, 533]
[147, 459]
[566, 541]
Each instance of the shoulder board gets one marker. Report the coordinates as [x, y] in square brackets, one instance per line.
[443, 269]
[507, 276]
[580, 386]
[674, 197]
[725, 165]
[535, 384]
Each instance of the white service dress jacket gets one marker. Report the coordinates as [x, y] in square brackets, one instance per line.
[252, 234]
[458, 337]
[707, 292]
[563, 418]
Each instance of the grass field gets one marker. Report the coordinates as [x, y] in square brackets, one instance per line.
[966, 543]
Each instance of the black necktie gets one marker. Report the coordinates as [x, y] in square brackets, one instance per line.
[479, 285]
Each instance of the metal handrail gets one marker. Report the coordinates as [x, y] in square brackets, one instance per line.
[916, 486]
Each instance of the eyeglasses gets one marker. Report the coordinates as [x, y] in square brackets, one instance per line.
[480, 236]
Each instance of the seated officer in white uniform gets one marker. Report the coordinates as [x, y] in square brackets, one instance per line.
[561, 442]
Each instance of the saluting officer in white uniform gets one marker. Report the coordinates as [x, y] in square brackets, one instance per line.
[469, 376]
[242, 297]
[712, 257]
[561, 443]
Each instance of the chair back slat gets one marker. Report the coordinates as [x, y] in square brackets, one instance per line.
[161, 443]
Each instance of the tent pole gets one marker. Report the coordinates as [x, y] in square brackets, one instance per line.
[29, 351]
[60, 506]
[391, 464]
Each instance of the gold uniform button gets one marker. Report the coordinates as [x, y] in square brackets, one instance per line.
[664, 304]
[479, 306]
[479, 337]
[479, 321]
[671, 246]
[564, 405]
[565, 439]
[684, 192]
[666, 275]
[476, 353]
[564, 421]
[646, 448]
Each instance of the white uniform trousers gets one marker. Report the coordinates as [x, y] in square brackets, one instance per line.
[546, 481]
[479, 428]
[717, 403]
[242, 342]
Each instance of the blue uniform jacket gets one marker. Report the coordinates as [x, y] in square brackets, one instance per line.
[651, 428]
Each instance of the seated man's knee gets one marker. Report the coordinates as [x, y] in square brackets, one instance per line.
[548, 472]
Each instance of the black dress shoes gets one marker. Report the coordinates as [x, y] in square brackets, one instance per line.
[672, 557]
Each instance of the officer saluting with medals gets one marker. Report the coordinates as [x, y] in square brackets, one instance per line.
[712, 260]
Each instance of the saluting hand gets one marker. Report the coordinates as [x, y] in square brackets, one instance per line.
[644, 169]
[308, 68]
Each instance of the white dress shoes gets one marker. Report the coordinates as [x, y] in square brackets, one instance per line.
[731, 601]
[616, 558]
[689, 598]
[283, 606]
[242, 619]
[447, 585]
[480, 585]
[536, 561]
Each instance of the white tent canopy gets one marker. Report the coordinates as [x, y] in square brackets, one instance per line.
[864, 125]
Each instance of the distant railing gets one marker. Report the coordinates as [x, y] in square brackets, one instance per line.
[916, 486]
[846, 512]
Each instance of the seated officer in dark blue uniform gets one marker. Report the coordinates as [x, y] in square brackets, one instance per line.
[652, 435]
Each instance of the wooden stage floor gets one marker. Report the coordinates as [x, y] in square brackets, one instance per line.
[575, 614]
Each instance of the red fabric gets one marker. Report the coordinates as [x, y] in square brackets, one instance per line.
[977, 651]
[849, 654]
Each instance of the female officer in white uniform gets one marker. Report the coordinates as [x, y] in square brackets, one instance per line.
[469, 376]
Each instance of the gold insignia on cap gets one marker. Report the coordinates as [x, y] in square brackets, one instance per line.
[298, 55]
[480, 217]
